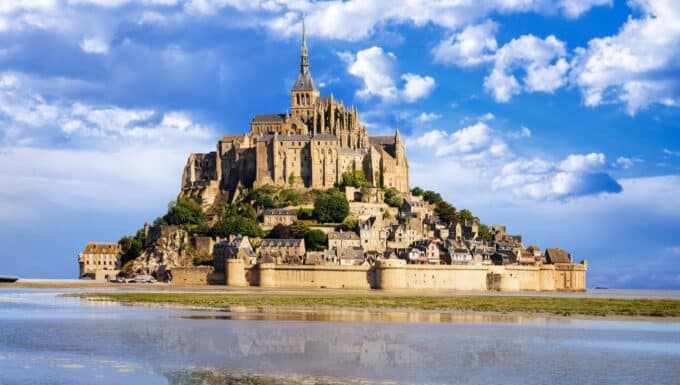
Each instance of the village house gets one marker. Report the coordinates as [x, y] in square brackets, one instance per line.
[273, 217]
[372, 235]
[525, 257]
[430, 250]
[401, 236]
[286, 251]
[504, 257]
[460, 256]
[470, 229]
[100, 261]
[340, 239]
[236, 246]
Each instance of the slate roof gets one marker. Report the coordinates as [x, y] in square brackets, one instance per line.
[304, 82]
[279, 212]
[101, 248]
[290, 242]
[343, 235]
[269, 118]
[381, 140]
[324, 137]
[557, 255]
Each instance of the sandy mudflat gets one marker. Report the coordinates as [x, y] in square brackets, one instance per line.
[162, 287]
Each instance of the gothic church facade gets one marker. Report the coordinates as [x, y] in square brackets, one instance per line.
[310, 146]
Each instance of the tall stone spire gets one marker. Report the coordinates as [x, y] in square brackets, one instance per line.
[304, 54]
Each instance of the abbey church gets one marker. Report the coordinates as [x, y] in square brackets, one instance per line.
[310, 147]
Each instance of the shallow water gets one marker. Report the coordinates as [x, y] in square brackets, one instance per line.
[46, 339]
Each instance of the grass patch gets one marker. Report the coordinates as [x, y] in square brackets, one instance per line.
[501, 304]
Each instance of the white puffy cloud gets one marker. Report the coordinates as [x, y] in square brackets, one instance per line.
[357, 19]
[94, 45]
[26, 117]
[523, 132]
[638, 66]
[576, 175]
[425, 117]
[102, 151]
[478, 153]
[416, 87]
[377, 68]
[472, 46]
[625, 162]
[543, 62]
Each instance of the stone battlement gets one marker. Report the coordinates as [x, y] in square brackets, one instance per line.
[389, 274]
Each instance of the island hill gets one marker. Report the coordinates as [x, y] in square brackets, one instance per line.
[308, 199]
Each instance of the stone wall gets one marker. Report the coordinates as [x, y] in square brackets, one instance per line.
[396, 274]
[197, 275]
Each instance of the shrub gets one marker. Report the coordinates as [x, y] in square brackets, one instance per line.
[417, 191]
[316, 240]
[184, 211]
[432, 197]
[331, 206]
[232, 225]
[355, 178]
[393, 197]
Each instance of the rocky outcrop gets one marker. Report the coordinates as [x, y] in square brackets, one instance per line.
[166, 247]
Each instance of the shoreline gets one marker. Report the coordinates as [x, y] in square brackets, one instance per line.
[223, 289]
[348, 314]
[365, 307]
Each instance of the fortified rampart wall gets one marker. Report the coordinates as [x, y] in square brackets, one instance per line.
[396, 274]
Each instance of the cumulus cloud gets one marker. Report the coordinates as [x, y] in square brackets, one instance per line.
[576, 175]
[94, 45]
[542, 62]
[638, 66]
[425, 117]
[625, 162]
[480, 149]
[354, 20]
[472, 46]
[377, 68]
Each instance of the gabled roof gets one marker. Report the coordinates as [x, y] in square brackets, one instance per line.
[557, 255]
[269, 118]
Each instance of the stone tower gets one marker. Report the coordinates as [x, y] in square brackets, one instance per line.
[304, 93]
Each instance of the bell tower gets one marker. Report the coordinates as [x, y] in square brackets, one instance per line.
[304, 92]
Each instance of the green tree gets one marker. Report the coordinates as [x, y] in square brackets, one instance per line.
[184, 211]
[298, 230]
[331, 206]
[280, 231]
[484, 233]
[131, 248]
[316, 240]
[466, 214]
[288, 197]
[417, 191]
[393, 197]
[355, 178]
[351, 224]
[446, 212]
[432, 197]
[291, 179]
[233, 225]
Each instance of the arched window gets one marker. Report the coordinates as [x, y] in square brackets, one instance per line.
[298, 98]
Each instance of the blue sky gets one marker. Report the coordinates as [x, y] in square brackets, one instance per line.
[559, 119]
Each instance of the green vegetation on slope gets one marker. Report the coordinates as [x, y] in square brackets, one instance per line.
[484, 303]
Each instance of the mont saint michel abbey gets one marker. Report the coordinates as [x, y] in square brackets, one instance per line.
[310, 146]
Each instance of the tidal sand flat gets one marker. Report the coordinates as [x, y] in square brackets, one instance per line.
[46, 338]
[564, 306]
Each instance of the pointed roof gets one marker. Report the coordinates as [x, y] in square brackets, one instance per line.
[304, 81]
